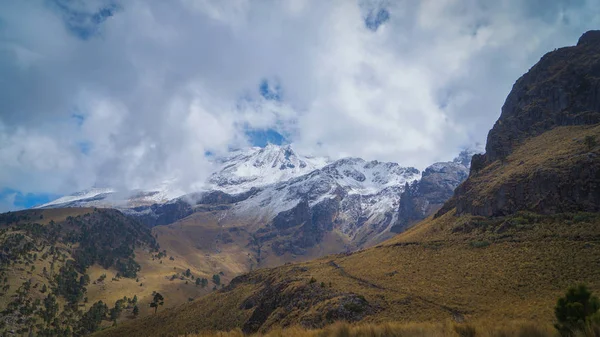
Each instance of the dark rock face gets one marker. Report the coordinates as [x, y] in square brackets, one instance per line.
[293, 217]
[162, 214]
[302, 226]
[563, 88]
[280, 301]
[543, 191]
[425, 196]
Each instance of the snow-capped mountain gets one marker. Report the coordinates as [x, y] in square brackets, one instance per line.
[238, 172]
[278, 193]
[258, 167]
[90, 195]
[352, 191]
[112, 198]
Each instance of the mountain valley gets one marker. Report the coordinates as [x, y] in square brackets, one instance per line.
[519, 231]
[266, 207]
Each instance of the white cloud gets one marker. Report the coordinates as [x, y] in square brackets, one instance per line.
[163, 82]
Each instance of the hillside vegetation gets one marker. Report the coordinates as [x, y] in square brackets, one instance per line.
[60, 267]
[446, 329]
[231, 246]
[481, 275]
[452, 268]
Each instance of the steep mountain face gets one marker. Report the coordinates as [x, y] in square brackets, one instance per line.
[357, 198]
[437, 184]
[258, 167]
[562, 89]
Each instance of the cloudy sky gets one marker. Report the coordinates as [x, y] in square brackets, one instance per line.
[130, 93]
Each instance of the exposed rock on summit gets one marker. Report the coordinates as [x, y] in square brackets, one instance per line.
[437, 184]
[563, 88]
[542, 153]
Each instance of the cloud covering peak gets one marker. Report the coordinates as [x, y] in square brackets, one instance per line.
[130, 94]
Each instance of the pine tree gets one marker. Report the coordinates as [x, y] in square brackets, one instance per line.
[156, 301]
[574, 310]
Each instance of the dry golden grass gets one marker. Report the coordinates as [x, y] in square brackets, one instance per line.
[446, 329]
[428, 274]
[490, 274]
[197, 242]
[553, 151]
[155, 274]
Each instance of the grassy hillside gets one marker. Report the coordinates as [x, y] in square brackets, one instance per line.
[210, 245]
[557, 171]
[69, 259]
[440, 329]
[472, 269]
[118, 257]
[514, 269]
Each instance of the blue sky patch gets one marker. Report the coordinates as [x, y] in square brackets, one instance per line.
[84, 147]
[78, 118]
[84, 25]
[28, 200]
[270, 91]
[376, 18]
[262, 137]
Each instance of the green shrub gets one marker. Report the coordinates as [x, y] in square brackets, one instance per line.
[583, 217]
[590, 142]
[216, 279]
[577, 310]
[479, 244]
[354, 307]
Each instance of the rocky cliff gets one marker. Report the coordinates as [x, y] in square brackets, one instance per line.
[563, 88]
[557, 172]
[437, 184]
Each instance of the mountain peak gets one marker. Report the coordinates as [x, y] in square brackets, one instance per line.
[591, 37]
[546, 117]
[560, 90]
[262, 166]
[464, 157]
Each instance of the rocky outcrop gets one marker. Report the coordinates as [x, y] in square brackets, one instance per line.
[168, 213]
[292, 217]
[556, 172]
[301, 227]
[540, 156]
[425, 196]
[281, 302]
[161, 214]
[563, 88]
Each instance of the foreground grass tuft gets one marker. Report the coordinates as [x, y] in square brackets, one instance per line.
[405, 330]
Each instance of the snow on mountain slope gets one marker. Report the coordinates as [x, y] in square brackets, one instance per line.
[237, 173]
[364, 192]
[109, 197]
[89, 195]
[292, 200]
[260, 167]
